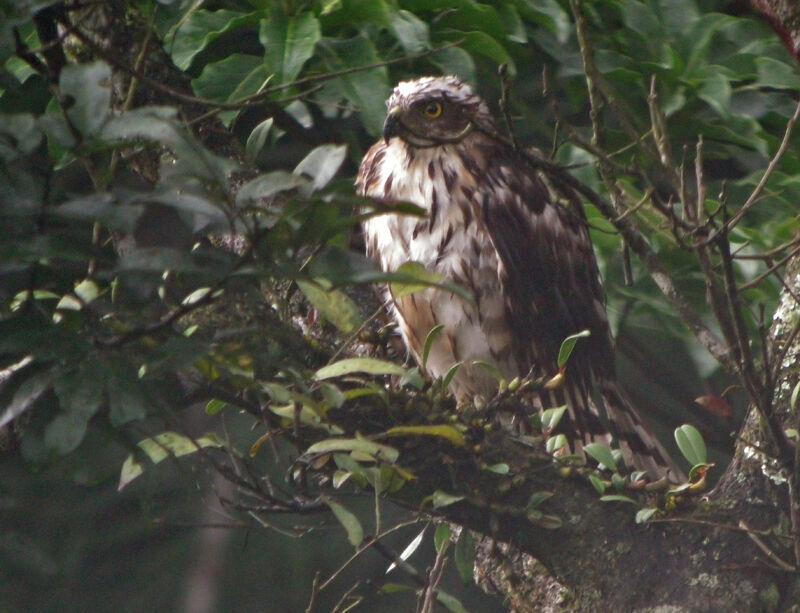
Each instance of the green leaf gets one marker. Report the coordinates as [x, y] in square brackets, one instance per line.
[214, 406]
[89, 86]
[618, 498]
[795, 393]
[465, 555]
[375, 450]
[537, 498]
[333, 304]
[410, 30]
[355, 533]
[26, 395]
[643, 515]
[426, 349]
[366, 91]
[483, 44]
[567, 346]
[441, 499]
[554, 443]
[691, 444]
[408, 551]
[441, 538]
[334, 397]
[450, 602]
[777, 74]
[194, 34]
[444, 431]
[598, 484]
[348, 366]
[552, 417]
[448, 378]
[500, 468]
[260, 189]
[160, 447]
[414, 277]
[257, 139]
[288, 43]
[490, 368]
[65, 433]
[602, 454]
[322, 164]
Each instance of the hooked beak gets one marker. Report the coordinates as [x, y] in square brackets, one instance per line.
[392, 123]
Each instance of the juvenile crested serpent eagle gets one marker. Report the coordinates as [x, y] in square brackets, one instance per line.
[518, 242]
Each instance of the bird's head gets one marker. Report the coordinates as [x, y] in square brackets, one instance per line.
[432, 111]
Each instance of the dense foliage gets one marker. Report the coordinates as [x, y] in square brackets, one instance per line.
[125, 298]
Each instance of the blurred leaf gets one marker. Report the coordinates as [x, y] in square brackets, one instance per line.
[370, 366]
[773, 73]
[159, 448]
[441, 538]
[355, 533]
[367, 90]
[465, 555]
[288, 42]
[716, 406]
[410, 30]
[441, 499]
[450, 602]
[691, 444]
[429, 340]
[89, 86]
[444, 431]
[483, 44]
[322, 164]
[383, 453]
[195, 33]
[552, 417]
[618, 498]
[333, 304]
[260, 189]
[26, 395]
[554, 443]
[643, 515]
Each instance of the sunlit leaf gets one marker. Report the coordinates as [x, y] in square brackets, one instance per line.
[160, 447]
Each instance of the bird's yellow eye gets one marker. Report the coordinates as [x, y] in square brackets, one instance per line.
[432, 110]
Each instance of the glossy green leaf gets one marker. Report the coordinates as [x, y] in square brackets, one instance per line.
[322, 164]
[691, 444]
[408, 551]
[348, 366]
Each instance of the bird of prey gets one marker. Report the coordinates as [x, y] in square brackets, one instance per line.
[518, 242]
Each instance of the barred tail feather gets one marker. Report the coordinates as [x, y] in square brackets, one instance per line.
[619, 424]
[639, 444]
